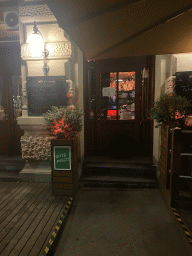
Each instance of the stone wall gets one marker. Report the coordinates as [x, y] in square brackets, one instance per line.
[36, 148]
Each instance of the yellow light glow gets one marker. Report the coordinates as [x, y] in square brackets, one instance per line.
[36, 45]
[50, 48]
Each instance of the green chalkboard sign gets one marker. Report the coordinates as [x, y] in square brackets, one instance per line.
[62, 157]
[44, 92]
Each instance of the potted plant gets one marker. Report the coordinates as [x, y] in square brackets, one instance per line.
[64, 124]
[171, 109]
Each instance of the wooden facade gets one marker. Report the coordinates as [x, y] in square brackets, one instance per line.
[175, 163]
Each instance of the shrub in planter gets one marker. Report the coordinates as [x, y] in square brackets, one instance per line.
[172, 110]
[63, 122]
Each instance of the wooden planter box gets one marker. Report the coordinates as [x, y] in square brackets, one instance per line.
[164, 177]
[165, 156]
[170, 162]
[64, 165]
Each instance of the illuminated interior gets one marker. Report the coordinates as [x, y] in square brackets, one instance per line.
[118, 99]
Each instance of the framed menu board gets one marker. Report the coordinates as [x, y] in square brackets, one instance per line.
[45, 92]
[183, 84]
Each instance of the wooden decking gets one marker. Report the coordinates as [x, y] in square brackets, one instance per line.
[28, 215]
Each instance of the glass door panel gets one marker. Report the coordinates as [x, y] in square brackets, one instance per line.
[118, 95]
[16, 94]
[112, 97]
[109, 95]
[6, 106]
[126, 95]
[2, 99]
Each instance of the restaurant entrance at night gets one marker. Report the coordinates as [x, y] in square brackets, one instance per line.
[118, 97]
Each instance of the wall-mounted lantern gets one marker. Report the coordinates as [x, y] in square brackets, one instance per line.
[37, 47]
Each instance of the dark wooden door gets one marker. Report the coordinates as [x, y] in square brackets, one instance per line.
[116, 112]
[10, 99]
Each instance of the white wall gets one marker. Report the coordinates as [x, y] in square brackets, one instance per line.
[79, 67]
[184, 61]
[165, 66]
[75, 73]
[158, 82]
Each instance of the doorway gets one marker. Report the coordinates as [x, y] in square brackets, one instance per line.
[117, 100]
[10, 99]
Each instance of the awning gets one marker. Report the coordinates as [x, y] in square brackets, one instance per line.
[120, 28]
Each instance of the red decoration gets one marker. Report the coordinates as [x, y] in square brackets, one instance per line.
[69, 95]
[62, 130]
[179, 117]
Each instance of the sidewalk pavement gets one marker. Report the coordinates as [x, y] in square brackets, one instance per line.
[133, 222]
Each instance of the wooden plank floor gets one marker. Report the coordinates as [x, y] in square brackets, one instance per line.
[28, 215]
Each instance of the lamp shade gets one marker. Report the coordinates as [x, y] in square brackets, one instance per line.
[36, 45]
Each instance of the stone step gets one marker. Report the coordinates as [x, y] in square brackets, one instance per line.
[118, 174]
[126, 170]
[10, 166]
[11, 163]
[9, 176]
[107, 183]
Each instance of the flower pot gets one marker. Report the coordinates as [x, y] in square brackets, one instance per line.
[64, 165]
